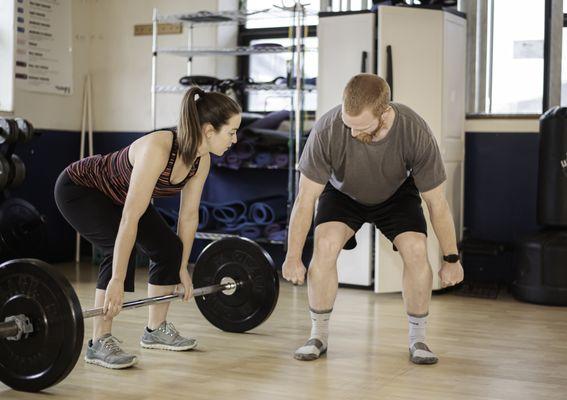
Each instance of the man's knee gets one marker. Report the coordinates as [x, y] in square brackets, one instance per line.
[328, 246]
[414, 252]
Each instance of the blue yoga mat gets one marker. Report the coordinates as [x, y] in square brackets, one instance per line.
[267, 211]
[263, 158]
[251, 232]
[278, 235]
[271, 121]
[232, 160]
[245, 149]
[229, 213]
[271, 228]
[281, 160]
[205, 219]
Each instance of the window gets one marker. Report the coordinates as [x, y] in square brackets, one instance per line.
[274, 27]
[278, 18]
[266, 67]
[515, 56]
[6, 56]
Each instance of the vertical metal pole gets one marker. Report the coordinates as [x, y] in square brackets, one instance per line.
[190, 47]
[299, 10]
[481, 64]
[154, 68]
[490, 58]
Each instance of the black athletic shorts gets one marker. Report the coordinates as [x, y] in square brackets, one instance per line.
[400, 213]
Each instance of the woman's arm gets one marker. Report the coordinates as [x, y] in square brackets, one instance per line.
[149, 160]
[189, 208]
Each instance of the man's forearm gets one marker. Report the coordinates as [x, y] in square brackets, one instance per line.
[299, 225]
[444, 227]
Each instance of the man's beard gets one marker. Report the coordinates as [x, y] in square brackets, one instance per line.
[369, 137]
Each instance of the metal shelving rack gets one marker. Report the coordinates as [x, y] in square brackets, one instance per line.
[204, 18]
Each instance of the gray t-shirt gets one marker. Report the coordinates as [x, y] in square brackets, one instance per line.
[370, 173]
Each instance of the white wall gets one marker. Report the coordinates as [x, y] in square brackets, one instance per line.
[120, 65]
[51, 111]
[104, 45]
[121, 62]
[7, 32]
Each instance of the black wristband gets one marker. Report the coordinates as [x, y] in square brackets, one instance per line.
[451, 258]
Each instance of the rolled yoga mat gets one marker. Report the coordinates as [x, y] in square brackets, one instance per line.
[271, 121]
[268, 210]
[232, 160]
[245, 149]
[263, 159]
[229, 213]
[205, 219]
[278, 236]
[251, 232]
[272, 228]
[281, 160]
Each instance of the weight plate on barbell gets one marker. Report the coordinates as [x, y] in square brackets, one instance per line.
[37, 290]
[243, 261]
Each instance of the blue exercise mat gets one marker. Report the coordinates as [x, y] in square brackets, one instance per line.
[268, 210]
[229, 213]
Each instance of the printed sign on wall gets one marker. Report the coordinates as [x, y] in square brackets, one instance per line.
[44, 61]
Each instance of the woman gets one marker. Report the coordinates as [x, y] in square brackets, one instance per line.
[107, 200]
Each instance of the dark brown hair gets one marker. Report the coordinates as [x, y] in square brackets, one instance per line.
[198, 108]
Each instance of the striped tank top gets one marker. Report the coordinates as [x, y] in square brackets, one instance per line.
[111, 174]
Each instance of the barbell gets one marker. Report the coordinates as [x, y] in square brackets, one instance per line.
[42, 328]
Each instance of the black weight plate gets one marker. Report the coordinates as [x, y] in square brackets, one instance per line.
[4, 172]
[39, 291]
[5, 129]
[13, 133]
[18, 171]
[26, 130]
[242, 260]
[22, 229]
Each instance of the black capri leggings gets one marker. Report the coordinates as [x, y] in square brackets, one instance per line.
[97, 218]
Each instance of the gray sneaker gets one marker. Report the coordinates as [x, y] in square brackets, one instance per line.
[166, 337]
[106, 352]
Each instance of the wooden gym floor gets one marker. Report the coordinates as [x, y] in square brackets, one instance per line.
[488, 349]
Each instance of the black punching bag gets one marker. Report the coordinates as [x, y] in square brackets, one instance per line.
[552, 174]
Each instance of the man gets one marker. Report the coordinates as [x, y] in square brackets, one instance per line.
[368, 160]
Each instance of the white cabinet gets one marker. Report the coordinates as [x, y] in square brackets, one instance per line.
[422, 54]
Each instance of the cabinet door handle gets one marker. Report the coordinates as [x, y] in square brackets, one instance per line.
[390, 70]
[363, 61]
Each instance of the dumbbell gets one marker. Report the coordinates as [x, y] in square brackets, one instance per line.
[15, 130]
[9, 131]
[12, 171]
